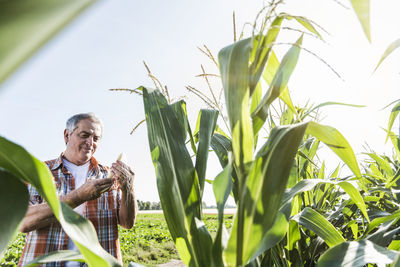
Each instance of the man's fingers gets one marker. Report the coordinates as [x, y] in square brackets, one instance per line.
[105, 181]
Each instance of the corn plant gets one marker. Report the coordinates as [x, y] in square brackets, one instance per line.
[289, 212]
[257, 178]
[17, 167]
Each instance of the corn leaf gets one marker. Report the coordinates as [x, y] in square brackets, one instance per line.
[306, 23]
[314, 221]
[23, 165]
[26, 25]
[384, 235]
[329, 104]
[234, 61]
[396, 262]
[274, 235]
[278, 84]
[12, 190]
[222, 145]
[265, 187]
[394, 138]
[383, 164]
[177, 181]
[208, 120]
[65, 255]
[222, 186]
[361, 7]
[393, 115]
[309, 184]
[356, 253]
[337, 143]
[393, 46]
[394, 245]
[377, 221]
[268, 75]
[262, 46]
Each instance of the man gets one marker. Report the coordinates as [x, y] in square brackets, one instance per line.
[81, 183]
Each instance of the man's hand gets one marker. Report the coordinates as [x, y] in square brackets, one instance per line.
[93, 189]
[123, 174]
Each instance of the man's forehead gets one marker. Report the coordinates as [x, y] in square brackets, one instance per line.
[89, 126]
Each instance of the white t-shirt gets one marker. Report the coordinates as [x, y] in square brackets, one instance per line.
[80, 175]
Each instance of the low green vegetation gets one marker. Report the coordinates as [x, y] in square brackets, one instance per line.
[14, 251]
[148, 242]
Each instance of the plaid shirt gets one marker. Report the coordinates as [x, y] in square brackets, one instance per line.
[102, 212]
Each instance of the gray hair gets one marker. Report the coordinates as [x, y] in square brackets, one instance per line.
[72, 123]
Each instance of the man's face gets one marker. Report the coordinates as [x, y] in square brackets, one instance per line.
[82, 142]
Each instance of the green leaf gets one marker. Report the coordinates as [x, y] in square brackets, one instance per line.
[314, 221]
[222, 186]
[377, 221]
[383, 164]
[385, 234]
[177, 181]
[306, 23]
[336, 142]
[395, 142]
[12, 190]
[221, 146]
[268, 75]
[234, 69]
[23, 165]
[396, 262]
[329, 104]
[265, 187]
[262, 47]
[393, 115]
[356, 253]
[61, 255]
[393, 46]
[26, 26]
[309, 184]
[274, 235]
[394, 245]
[285, 96]
[355, 196]
[278, 84]
[361, 7]
[208, 120]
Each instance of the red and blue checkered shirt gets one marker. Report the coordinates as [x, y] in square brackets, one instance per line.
[102, 212]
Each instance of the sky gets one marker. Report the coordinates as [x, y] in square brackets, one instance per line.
[106, 45]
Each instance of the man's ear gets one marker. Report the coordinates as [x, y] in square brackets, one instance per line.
[66, 136]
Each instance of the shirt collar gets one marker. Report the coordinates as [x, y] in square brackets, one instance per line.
[59, 163]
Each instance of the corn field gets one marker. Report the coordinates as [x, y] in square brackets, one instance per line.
[291, 210]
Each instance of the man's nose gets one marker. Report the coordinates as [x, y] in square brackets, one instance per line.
[89, 141]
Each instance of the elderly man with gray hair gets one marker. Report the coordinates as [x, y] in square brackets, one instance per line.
[83, 184]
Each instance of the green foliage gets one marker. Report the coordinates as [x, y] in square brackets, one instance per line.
[361, 7]
[148, 243]
[11, 191]
[14, 251]
[147, 205]
[25, 26]
[26, 168]
[289, 210]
